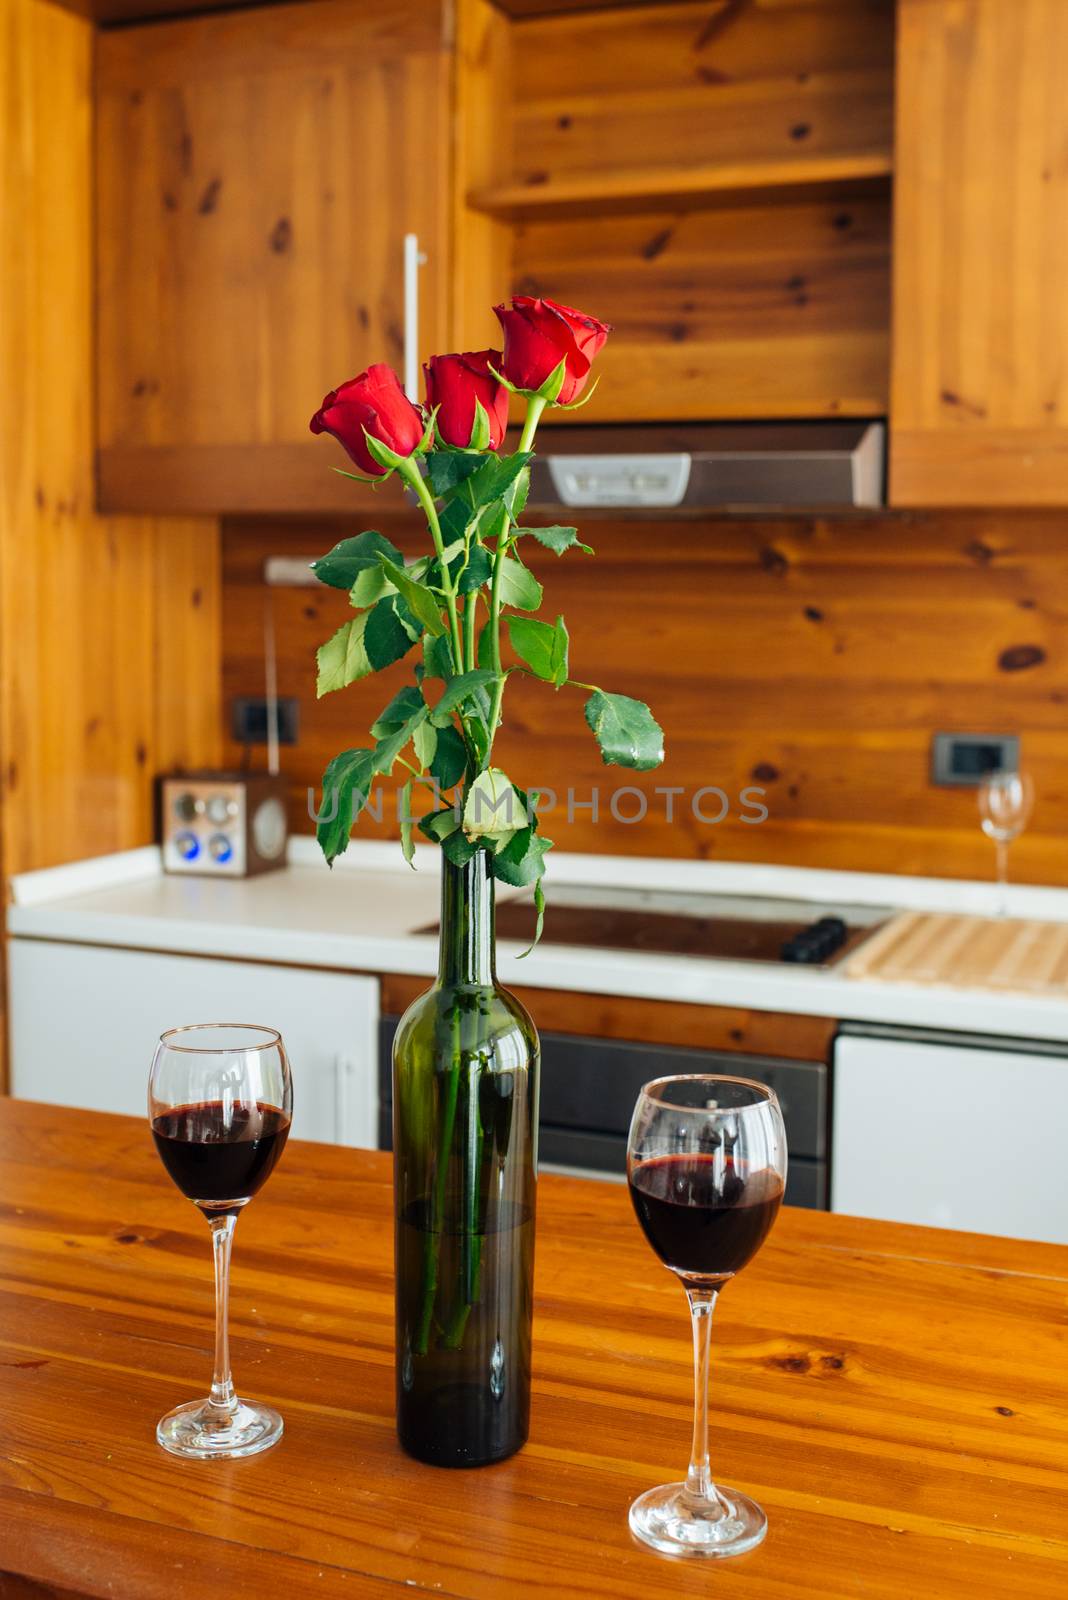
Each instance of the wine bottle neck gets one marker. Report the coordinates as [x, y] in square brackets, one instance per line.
[467, 942]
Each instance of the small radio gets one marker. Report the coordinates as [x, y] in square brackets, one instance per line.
[223, 824]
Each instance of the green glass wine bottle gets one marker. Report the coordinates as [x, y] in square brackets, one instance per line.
[465, 1121]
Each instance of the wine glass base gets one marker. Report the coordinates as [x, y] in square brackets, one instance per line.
[202, 1432]
[676, 1523]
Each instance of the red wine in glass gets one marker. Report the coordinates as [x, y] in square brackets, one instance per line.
[706, 1216]
[706, 1165]
[217, 1151]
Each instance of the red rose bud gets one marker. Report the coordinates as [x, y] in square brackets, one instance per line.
[539, 334]
[454, 384]
[374, 402]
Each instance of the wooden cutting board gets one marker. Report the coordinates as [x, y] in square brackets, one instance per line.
[1028, 956]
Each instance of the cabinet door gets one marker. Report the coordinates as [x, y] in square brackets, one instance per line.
[980, 340]
[85, 1020]
[951, 1136]
[257, 172]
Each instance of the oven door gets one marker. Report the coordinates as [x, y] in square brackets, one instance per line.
[588, 1090]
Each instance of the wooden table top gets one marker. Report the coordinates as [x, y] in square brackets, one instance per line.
[895, 1397]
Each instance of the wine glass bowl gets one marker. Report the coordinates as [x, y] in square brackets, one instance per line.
[706, 1169]
[220, 1100]
[1006, 800]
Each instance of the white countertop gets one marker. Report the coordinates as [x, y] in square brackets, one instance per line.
[362, 916]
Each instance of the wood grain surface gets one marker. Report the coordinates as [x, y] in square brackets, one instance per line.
[895, 1397]
[110, 649]
[109, 627]
[713, 180]
[980, 403]
[660, 1022]
[810, 658]
[256, 173]
[1022, 956]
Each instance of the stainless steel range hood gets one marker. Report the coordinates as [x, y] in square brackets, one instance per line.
[744, 466]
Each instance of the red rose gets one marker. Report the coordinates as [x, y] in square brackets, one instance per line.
[455, 383]
[539, 334]
[376, 402]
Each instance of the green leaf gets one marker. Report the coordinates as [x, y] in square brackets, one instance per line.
[397, 604]
[460, 688]
[494, 809]
[390, 632]
[539, 909]
[422, 604]
[425, 740]
[454, 519]
[558, 539]
[344, 565]
[522, 860]
[437, 657]
[626, 730]
[516, 497]
[405, 820]
[346, 785]
[495, 522]
[449, 761]
[344, 658]
[459, 848]
[493, 478]
[519, 587]
[447, 469]
[388, 749]
[543, 646]
[406, 703]
[467, 573]
[438, 825]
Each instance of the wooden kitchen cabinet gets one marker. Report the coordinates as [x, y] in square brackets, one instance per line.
[980, 337]
[257, 172]
[714, 181]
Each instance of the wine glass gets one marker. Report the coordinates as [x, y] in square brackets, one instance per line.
[220, 1098]
[1005, 802]
[706, 1165]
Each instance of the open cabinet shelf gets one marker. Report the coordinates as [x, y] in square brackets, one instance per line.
[715, 186]
[645, 188]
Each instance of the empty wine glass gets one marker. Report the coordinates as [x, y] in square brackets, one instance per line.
[220, 1098]
[706, 1165]
[1005, 802]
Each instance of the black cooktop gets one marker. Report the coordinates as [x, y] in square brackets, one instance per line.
[708, 926]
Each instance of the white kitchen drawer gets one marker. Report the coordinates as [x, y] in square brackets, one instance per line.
[85, 1020]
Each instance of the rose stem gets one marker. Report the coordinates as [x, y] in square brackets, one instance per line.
[414, 478]
[536, 404]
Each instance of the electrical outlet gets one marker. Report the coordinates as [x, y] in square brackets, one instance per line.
[249, 720]
[961, 760]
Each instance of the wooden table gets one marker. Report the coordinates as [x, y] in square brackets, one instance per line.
[896, 1398]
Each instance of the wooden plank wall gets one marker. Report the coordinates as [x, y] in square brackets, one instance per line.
[109, 627]
[980, 380]
[811, 658]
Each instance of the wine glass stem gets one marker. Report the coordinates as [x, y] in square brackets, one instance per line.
[222, 1385]
[698, 1478]
[1003, 875]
